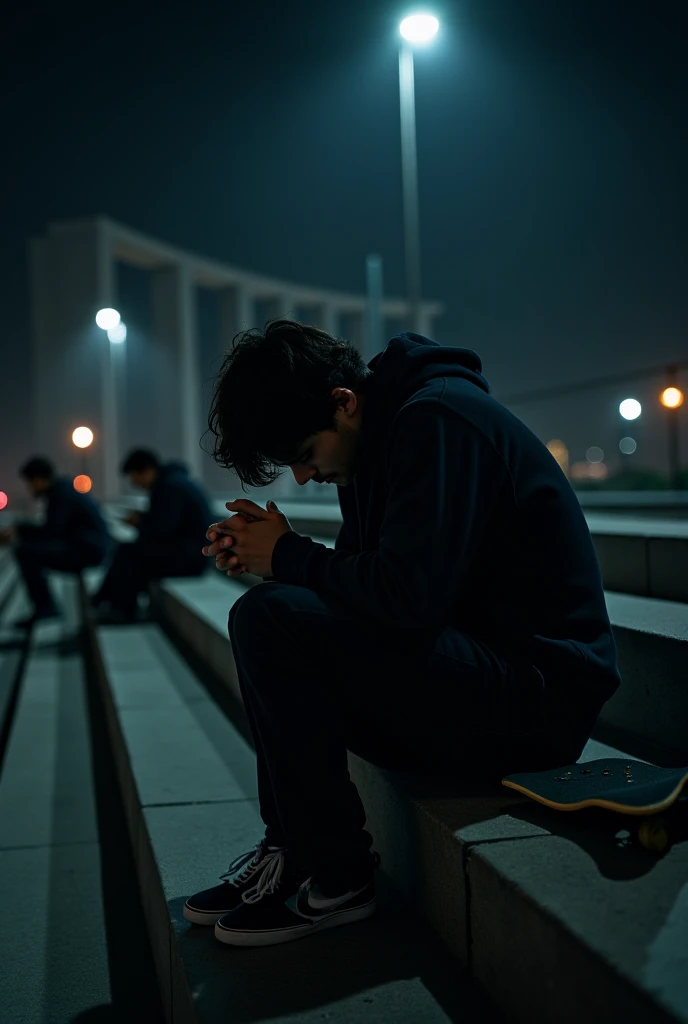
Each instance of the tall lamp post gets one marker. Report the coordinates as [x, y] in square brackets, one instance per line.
[110, 322]
[672, 400]
[415, 30]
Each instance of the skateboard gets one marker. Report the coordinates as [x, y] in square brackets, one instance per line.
[632, 788]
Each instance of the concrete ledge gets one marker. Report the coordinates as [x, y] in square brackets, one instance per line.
[555, 915]
[647, 557]
[650, 710]
[392, 968]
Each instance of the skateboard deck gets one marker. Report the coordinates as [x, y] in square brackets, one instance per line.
[618, 784]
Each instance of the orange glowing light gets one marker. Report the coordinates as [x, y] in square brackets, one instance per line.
[82, 483]
[671, 398]
[3, 499]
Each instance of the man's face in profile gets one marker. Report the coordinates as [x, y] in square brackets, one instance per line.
[331, 456]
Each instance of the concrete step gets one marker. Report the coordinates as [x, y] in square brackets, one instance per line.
[188, 780]
[12, 650]
[52, 936]
[556, 916]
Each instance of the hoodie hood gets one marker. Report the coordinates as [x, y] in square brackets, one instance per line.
[407, 363]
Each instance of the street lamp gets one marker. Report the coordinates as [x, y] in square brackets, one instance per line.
[415, 30]
[672, 400]
[118, 333]
[114, 366]
[82, 438]
[630, 408]
[107, 318]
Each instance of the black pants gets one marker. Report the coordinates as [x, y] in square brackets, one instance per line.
[37, 555]
[135, 565]
[317, 679]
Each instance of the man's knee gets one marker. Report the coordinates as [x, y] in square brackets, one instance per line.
[261, 600]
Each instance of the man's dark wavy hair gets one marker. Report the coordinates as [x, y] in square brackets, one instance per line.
[273, 391]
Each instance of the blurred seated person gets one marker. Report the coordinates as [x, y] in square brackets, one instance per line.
[171, 536]
[73, 536]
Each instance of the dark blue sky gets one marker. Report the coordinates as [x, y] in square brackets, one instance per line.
[552, 163]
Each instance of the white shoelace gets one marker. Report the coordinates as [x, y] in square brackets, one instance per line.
[269, 879]
[254, 859]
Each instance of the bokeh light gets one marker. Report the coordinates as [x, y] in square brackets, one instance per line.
[671, 398]
[3, 499]
[82, 437]
[107, 318]
[118, 334]
[594, 454]
[627, 445]
[419, 28]
[589, 471]
[560, 452]
[630, 408]
[82, 483]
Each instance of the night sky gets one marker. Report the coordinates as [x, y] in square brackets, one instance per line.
[553, 164]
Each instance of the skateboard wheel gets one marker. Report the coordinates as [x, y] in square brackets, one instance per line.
[653, 836]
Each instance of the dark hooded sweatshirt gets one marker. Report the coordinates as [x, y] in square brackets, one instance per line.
[178, 513]
[459, 516]
[71, 517]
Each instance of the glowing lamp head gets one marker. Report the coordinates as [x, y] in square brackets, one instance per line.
[82, 483]
[630, 408]
[671, 398]
[107, 318]
[419, 28]
[82, 437]
[117, 334]
[3, 499]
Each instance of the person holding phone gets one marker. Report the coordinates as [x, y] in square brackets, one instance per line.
[170, 535]
[72, 537]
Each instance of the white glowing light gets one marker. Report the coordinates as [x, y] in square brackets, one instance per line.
[630, 409]
[627, 445]
[82, 437]
[107, 318]
[419, 28]
[118, 334]
[594, 454]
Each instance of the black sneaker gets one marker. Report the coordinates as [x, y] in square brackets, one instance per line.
[207, 906]
[287, 904]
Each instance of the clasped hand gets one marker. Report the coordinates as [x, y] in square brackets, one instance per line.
[245, 542]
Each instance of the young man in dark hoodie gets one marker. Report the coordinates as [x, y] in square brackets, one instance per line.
[171, 534]
[72, 537]
[458, 627]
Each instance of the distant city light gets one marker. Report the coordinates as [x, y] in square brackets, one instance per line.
[560, 452]
[119, 333]
[107, 318]
[627, 445]
[630, 409]
[3, 499]
[82, 437]
[589, 471]
[671, 398]
[419, 28]
[82, 483]
[594, 454]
